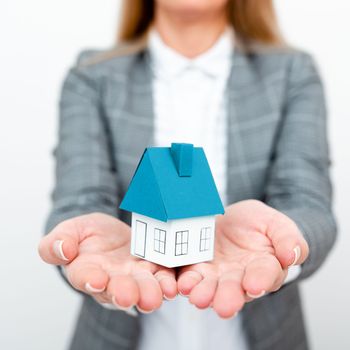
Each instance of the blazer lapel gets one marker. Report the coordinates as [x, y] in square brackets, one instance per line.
[140, 99]
[130, 110]
[248, 105]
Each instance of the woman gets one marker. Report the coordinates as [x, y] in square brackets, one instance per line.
[217, 74]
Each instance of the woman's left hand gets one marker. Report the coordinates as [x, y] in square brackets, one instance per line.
[254, 246]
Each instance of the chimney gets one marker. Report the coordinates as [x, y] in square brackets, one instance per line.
[182, 154]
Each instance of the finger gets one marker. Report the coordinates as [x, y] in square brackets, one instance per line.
[123, 291]
[290, 246]
[150, 293]
[229, 297]
[102, 298]
[203, 293]
[59, 247]
[260, 276]
[87, 278]
[279, 281]
[187, 281]
[167, 282]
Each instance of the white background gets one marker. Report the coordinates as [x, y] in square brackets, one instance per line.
[39, 41]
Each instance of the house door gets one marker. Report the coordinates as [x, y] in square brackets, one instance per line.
[140, 238]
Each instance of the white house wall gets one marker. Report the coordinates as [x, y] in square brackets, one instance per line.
[150, 254]
[169, 259]
[194, 226]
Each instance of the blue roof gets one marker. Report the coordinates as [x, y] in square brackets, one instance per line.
[173, 183]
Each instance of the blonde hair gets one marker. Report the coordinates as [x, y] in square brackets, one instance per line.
[254, 21]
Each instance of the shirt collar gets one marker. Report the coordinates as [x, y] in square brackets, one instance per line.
[168, 63]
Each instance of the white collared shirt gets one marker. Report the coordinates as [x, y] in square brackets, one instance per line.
[189, 101]
[190, 106]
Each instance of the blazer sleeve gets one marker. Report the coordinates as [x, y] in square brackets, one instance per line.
[299, 182]
[86, 179]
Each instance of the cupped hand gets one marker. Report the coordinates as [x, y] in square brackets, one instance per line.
[95, 252]
[254, 246]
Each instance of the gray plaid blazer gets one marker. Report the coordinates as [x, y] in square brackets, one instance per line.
[277, 153]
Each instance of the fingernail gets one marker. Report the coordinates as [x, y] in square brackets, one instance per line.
[183, 295]
[58, 249]
[161, 277]
[89, 288]
[143, 311]
[230, 317]
[167, 298]
[123, 308]
[130, 311]
[256, 296]
[297, 253]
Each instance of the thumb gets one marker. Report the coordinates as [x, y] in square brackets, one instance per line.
[290, 246]
[60, 246]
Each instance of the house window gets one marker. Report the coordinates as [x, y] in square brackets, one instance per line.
[205, 238]
[159, 240]
[181, 243]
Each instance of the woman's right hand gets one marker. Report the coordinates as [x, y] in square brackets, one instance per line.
[94, 250]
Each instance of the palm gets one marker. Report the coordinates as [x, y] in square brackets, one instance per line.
[241, 244]
[244, 263]
[102, 260]
[106, 245]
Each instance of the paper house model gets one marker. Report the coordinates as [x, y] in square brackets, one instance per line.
[173, 200]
